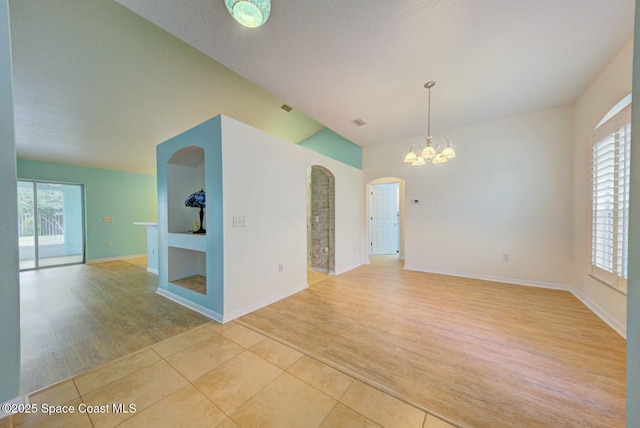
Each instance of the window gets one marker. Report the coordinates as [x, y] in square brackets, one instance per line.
[610, 198]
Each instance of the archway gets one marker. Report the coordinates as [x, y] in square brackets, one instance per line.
[320, 220]
[385, 216]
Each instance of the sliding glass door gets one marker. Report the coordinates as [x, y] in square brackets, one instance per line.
[50, 224]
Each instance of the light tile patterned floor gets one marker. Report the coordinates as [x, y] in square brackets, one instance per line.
[221, 376]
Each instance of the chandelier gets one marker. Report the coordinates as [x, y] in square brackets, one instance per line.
[440, 152]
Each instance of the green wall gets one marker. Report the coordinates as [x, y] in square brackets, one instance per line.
[334, 146]
[124, 196]
[9, 282]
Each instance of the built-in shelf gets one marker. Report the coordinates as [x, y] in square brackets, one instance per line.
[185, 263]
[188, 241]
[191, 265]
[186, 251]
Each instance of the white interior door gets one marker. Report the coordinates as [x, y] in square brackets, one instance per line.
[384, 210]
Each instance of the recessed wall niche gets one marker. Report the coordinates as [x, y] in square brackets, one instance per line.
[185, 175]
[186, 251]
[188, 269]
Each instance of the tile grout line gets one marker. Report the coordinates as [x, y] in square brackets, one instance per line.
[278, 340]
[283, 371]
[353, 374]
[196, 387]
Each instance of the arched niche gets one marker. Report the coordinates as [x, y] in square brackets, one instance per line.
[185, 175]
[186, 253]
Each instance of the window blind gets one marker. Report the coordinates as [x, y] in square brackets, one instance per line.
[610, 198]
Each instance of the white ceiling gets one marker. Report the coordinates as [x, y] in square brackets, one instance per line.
[96, 84]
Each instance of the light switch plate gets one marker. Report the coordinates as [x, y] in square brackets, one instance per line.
[239, 221]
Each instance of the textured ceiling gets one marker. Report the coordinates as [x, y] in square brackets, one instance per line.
[91, 75]
[342, 60]
[97, 85]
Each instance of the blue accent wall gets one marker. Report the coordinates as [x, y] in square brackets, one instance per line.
[126, 197]
[9, 282]
[207, 136]
[334, 146]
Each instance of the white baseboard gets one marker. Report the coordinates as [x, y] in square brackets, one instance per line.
[113, 259]
[247, 309]
[348, 268]
[16, 400]
[539, 284]
[152, 270]
[601, 313]
[189, 304]
[233, 315]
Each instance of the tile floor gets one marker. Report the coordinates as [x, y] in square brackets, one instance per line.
[220, 376]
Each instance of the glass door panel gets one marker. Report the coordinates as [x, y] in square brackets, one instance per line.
[26, 225]
[50, 224]
[60, 226]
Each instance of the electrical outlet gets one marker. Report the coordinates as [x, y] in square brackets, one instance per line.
[280, 267]
[108, 244]
[506, 257]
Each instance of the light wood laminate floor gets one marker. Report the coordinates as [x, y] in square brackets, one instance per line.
[474, 352]
[224, 376]
[76, 318]
[480, 353]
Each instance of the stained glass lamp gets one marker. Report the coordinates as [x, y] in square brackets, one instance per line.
[197, 200]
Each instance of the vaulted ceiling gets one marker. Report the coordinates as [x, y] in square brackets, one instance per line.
[100, 84]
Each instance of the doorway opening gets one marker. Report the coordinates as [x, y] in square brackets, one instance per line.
[386, 198]
[50, 224]
[320, 221]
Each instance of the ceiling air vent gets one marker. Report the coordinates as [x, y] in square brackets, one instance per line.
[286, 108]
[359, 122]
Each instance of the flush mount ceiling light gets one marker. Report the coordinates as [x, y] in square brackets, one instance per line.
[250, 13]
[434, 153]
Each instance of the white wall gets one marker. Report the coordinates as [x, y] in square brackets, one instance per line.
[508, 191]
[604, 92]
[265, 180]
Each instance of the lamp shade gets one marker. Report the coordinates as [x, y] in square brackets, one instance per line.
[196, 200]
[250, 13]
[439, 158]
[410, 157]
[448, 151]
[419, 161]
[428, 152]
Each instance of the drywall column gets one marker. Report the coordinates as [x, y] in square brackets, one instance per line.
[9, 281]
[633, 286]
